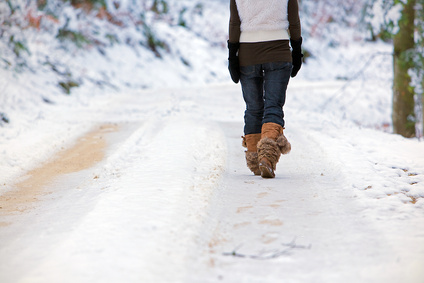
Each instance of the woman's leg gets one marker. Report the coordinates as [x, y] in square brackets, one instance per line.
[276, 79]
[273, 143]
[251, 78]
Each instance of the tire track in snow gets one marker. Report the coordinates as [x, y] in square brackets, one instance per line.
[142, 205]
[59, 198]
[85, 153]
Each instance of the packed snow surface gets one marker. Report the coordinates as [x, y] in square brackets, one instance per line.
[173, 201]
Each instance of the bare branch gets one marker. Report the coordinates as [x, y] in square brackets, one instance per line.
[351, 79]
[269, 254]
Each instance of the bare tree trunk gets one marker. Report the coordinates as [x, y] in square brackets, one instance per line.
[403, 94]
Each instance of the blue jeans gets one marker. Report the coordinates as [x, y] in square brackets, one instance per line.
[264, 91]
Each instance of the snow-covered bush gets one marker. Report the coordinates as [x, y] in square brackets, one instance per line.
[78, 26]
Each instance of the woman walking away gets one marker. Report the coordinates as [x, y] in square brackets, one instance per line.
[261, 59]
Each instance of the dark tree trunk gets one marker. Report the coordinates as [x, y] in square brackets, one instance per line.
[403, 93]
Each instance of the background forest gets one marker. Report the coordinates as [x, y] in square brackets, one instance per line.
[45, 36]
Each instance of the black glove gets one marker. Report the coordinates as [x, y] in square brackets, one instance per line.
[233, 61]
[296, 56]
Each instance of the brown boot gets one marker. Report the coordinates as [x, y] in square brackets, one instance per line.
[250, 142]
[268, 155]
[272, 144]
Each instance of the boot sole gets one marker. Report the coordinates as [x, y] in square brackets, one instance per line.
[266, 172]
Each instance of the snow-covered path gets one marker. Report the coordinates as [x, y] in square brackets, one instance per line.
[172, 200]
[303, 226]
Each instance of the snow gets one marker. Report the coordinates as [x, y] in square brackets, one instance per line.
[382, 13]
[173, 201]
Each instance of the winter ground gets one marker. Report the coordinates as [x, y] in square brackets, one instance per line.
[170, 199]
